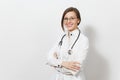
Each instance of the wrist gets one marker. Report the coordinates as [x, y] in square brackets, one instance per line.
[60, 64]
[63, 63]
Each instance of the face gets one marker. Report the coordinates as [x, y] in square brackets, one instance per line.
[71, 21]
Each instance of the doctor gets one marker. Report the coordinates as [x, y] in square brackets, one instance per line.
[69, 54]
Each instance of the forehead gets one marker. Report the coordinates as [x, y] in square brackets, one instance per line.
[70, 14]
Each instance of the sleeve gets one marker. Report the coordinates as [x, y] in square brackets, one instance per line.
[80, 56]
[51, 60]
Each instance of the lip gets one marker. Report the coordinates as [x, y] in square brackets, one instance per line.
[69, 25]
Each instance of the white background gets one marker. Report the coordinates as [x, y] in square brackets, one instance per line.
[29, 28]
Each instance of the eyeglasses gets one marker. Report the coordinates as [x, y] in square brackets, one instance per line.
[70, 19]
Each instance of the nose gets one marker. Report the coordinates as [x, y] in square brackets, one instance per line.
[68, 20]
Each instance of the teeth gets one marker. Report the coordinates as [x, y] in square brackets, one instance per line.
[69, 25]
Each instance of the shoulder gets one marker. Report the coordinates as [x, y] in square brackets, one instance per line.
[83, 41]
[59, 38]
[83, 37]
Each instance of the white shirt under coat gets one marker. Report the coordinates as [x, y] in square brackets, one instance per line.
[79, 53]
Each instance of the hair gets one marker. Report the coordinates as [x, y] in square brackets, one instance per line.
[70, 9]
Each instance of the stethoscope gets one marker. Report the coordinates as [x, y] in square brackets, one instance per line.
[70, 50]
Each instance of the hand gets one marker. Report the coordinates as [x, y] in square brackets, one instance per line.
[55, 55]
[72, 65]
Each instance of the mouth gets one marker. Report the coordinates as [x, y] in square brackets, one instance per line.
[69, 25]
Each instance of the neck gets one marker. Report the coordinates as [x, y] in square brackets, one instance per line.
[72, 29]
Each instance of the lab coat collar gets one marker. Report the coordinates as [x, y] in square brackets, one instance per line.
[74, 32]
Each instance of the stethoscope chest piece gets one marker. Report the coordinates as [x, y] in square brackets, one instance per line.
[69, 52]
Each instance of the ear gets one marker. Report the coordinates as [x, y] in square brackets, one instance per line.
[78, 21]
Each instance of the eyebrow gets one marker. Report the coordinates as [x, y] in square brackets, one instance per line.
[71, 17]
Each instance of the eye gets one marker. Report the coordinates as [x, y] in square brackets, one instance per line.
[65, 18]
[72, 18]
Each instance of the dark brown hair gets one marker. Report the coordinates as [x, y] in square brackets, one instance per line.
[69, 10]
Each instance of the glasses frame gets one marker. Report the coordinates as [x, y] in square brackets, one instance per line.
[70, 19]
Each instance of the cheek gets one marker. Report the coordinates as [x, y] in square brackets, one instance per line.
[64, 23]
[76, 23]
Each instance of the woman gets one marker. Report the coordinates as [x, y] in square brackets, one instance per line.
[69, 54]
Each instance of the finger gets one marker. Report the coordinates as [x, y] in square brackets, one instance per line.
[76, 67]
[76, 62]
[55, 55]
[73, 69]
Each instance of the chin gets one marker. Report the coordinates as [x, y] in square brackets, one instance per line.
[70, 29]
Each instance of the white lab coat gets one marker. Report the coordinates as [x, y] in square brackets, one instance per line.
[79, 53]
